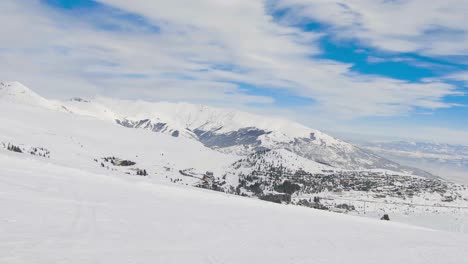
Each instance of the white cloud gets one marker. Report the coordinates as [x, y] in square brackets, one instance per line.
[437, 27]
[203, 47]
[421, 133]
[458, 76]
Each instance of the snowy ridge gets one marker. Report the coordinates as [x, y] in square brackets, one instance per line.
[225, 130]
[80, 142]
[15, 92]
[263, 161]
[288, 160]
[202, 117]
[236, 132]
[43, 135]
[183, 116]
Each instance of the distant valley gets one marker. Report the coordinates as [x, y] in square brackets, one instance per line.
[447, 160]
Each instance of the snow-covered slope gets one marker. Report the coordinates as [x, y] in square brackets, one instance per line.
[15, 92]
[54, 137]
[289, 161]
[82, 142]
[263, 161]
[236, 132]
[56, 214]
[225, 130]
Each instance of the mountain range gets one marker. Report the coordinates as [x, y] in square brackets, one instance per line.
[224, 130]
[218, 149]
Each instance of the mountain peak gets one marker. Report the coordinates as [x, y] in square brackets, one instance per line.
[16, 92]
[15, 87]
[225, 130]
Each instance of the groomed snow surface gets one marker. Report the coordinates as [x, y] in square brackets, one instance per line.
[55, 214]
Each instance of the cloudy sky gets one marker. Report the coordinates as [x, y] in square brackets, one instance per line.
[367, 69]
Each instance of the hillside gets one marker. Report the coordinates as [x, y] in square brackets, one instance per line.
[224, 130]
[57, 214]
[58, 136]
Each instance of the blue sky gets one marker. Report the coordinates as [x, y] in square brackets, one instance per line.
[375, 68]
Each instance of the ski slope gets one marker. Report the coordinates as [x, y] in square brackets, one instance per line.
[55, 214]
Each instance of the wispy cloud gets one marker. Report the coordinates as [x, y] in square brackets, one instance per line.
[437, 27]
[201, 50]
[459, 76]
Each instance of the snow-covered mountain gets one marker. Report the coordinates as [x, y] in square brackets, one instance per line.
[225, 130]
[83, 136]
[16, 92]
